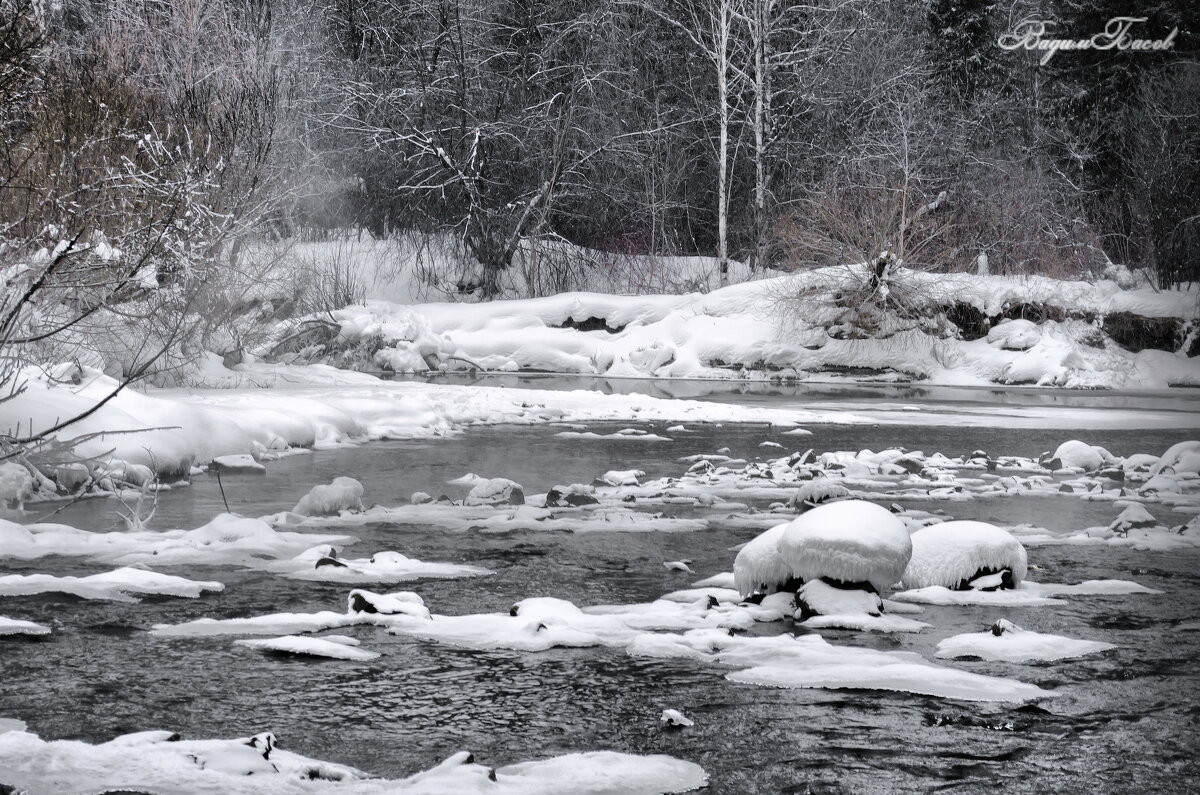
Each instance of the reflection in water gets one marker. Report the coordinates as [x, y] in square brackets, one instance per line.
[1125, 719]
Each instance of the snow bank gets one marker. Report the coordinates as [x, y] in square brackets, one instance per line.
[763, 326]
[161, 762]
[118, 585]
[851, 541]
[1007, 642]
[952, 554]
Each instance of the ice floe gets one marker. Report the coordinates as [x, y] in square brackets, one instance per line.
[324, 564]
[1007, 642]
[119, 585]
[809, 661]
[17, 626]
[228, 539]
[335, 647]
[163, 762]
[705, 622]
[1027, 594]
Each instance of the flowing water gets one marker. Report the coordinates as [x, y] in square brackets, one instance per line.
[1126, 720]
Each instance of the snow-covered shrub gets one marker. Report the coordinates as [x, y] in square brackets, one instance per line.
[959, 554]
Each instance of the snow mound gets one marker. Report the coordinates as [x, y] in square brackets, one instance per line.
[850, 541]
[674, 718]
[118, 585]
[1015, 335]
[312, 647]
[343, 494]
[952, 554]
[814, 492]
[16, 626]
[161, 762]
[1007, 642]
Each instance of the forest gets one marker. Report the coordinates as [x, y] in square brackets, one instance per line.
[779, 134]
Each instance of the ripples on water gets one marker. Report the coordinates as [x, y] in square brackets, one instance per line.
[1126, 720]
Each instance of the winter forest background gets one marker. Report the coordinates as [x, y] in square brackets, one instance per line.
[776, 133]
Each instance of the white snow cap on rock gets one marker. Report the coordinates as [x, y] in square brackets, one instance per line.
[850, 541]
[946, 554]
[343, 494]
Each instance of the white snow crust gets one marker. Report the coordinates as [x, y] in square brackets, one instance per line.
[119, 585]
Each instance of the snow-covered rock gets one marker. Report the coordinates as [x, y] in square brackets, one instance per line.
[1075, 454]
[343, 494]
[673, 718]
[953, 554]
[495, 491]
[851, 541]
[1014, 335]
[1181, 457]
[405, 603]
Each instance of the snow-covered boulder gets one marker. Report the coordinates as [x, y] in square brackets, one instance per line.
[343, 494]
[851, 541]
[571, 496]
[965, 555]
[495, 491]
[1079, 455]
[406, 603]
[1182, 457]
[1135, 517]
[815, 492]
[1015, 335]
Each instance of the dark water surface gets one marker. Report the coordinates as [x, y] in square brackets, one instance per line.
[1126, 720]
